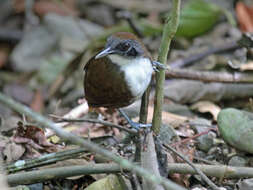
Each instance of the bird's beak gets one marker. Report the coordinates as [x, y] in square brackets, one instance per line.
[104, 52]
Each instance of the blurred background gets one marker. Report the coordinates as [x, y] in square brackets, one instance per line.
[44, 45]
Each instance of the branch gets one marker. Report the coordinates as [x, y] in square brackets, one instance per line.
[208, 76]
[219, 171]
[125, 164]
[182, 62]
[61, 172]
[169, 31]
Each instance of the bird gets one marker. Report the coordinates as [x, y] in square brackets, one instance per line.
[119, 75]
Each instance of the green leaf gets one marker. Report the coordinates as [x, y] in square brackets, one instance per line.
[197, 18]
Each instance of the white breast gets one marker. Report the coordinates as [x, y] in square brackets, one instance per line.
[138, 72]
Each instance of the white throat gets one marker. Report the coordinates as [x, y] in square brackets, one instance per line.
[138, 72]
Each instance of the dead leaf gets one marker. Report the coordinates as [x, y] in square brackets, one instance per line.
[13, 151]
[244, 16]
[9, 124]
[167, 118]
[189, 153]
[247, 67]
[181, 179]
[75, 113]
[32, 137]
[207, 107]
[184, 131]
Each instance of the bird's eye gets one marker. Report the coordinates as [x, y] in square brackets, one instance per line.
[123, 46]
[132, 52]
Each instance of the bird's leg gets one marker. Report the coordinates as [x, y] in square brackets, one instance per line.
[133, 124]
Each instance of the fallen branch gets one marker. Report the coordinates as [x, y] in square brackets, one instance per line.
[198, 56]
[61, 172]
[207, 76]
[219, 171]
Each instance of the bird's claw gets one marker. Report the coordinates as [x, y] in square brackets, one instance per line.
[155, 69]
[158, 66]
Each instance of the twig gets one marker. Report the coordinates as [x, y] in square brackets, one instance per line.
[205, 161]
[198, 56]
[74, 113]
[169, 31]
[198, 171]
[105, 123]
[43, 160]
[207, 76]
[193, 137]
[125, 164]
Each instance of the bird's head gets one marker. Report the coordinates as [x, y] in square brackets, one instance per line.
[124, 44]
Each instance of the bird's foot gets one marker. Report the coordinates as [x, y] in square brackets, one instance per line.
[133, 124]
[158, 66]
[139, 126]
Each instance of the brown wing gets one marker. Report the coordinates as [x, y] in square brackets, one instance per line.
[104, 84]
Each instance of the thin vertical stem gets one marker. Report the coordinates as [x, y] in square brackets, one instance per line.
[169, 31]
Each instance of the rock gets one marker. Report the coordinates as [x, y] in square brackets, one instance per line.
[188, 91]
[111, 182]
[237, 161]
[236, 128]
[245, 184]
[167, 133]
[205, 142]
[35, 45]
